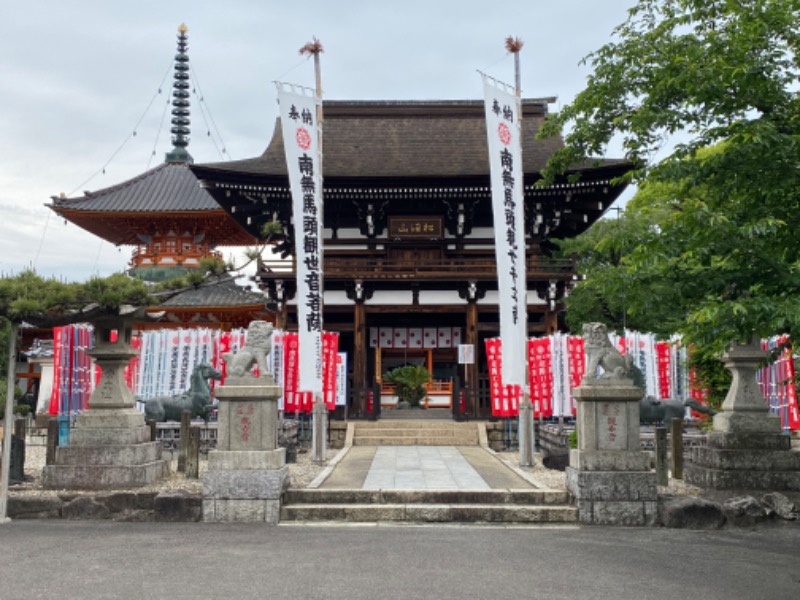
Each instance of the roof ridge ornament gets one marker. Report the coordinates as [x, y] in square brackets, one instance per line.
[180, 102]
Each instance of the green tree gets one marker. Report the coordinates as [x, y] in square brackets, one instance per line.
[409, 382]
[615, 283]
[720, 249]
[610, 291]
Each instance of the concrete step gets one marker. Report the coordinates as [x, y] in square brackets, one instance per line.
[439, 506]
[415, 433]
[381, 440]
[397, 424]
[408, 432]
[430, 513]
[523, 497]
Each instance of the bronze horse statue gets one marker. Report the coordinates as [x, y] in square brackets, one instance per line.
[197, 399]
[653, 410]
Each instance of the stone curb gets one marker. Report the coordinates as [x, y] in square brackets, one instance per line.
[176, 506]
[326, 472]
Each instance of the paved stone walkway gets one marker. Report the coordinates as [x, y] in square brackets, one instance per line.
[422, 468]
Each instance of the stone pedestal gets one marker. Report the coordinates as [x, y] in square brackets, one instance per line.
[609, 474]
[110, 446]
[747, 450]
[247, 473]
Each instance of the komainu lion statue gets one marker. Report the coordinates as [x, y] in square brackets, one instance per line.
[601, 353]
[254, 352]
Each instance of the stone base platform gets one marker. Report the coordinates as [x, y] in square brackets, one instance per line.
[613, 487]
[748, 461]
[109, 449]
[104, 477]
[244, 486]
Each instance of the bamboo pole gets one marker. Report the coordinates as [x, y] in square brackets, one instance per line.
[5, 464]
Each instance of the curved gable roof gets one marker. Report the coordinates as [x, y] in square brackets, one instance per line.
[402, 139]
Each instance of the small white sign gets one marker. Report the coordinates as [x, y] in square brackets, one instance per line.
[466, 354]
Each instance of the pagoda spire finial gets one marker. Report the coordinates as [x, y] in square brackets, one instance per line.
[180, 102]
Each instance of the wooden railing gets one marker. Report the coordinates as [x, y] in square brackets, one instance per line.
[479, 267]
[441, 391]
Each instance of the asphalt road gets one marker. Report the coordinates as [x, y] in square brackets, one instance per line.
[90, 560]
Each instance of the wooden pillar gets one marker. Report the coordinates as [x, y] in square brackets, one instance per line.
[551, 321]
[472, 338]
[281, 317]
[676, 447]
[360, 346]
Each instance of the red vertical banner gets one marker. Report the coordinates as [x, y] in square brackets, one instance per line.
[290, 372]
[222, 348]
[514, 398]
[58, 371]
[577, 361]
[330, 352]
[133, 366]
[534, 383]
[304, 401]
[663, 360]
[540, 365]
[494, 364]
[696, 389]
[791, 391]
[576, 358]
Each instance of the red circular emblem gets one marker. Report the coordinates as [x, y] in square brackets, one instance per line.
[504, 134]
[303, 138]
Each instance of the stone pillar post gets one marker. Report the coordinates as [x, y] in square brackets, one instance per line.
[609, 474]
[525, 433]
[319, 430]
[247, 472]
[746, 449]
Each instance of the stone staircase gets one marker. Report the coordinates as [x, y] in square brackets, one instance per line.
[415, 433]
[428, 506]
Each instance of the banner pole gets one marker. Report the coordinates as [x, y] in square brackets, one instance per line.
[319, 418]
[8, 429]
[525, 431]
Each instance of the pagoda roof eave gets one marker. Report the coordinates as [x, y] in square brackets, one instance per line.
[124, 228]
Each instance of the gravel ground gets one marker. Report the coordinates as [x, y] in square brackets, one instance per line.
[557, 479]
[302, 473]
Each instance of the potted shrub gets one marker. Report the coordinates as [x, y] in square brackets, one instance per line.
[409, 382]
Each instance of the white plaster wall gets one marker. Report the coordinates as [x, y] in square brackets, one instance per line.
[385, 297]
[492, 298]
[440, 297]
[336, 298]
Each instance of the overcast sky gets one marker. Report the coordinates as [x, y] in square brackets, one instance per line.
[77, 76]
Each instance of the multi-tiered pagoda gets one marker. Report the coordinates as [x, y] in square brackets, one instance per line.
[171, 223]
